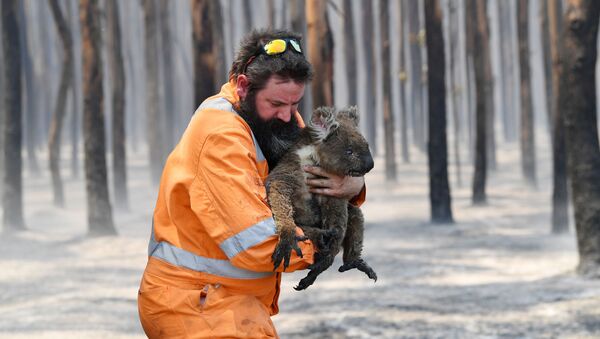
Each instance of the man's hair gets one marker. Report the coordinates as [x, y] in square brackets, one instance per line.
[289, 64]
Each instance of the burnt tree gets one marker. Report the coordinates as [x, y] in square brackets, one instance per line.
[320, 52]
[350, 52]
[100, 221]
[560, 197]
[578, 103]
[416, 67]
[56, 124]
[527, 122]
[154, 129]
[12, 197]
[117, 70]
[388, 116]
[205, 70]
[454, 85]
[403, 78]
[477, 11]
[368, 45]
[439, 188]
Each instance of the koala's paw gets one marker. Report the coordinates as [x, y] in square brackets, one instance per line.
[360, 265]
[284, 249]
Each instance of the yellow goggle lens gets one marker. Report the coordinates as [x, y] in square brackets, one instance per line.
[277, 46]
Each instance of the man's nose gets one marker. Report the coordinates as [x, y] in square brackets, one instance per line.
[285, 115]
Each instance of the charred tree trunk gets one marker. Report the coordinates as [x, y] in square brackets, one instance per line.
[118, 104]
[75, 94]
[490, 140]
[453, 36]
[350, 52]
[100, 221]
[416, 81]
[368, 45]
[60, 106]
[560, 198]
[578, 103]
[298, 23]
[477, 10]
[12, 200]
[248, 16]
[547, 58]
[168, 74]
[388, 116]
[30, 92]
[508, 70]
[205, 69]
[320, 52]
[403, 107]
[218, 43]
[439, 189]
[271, 13]
[527, 122]
[154, 134]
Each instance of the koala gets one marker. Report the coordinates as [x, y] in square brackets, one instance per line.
[332, 141]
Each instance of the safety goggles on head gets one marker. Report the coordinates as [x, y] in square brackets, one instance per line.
[278, 46]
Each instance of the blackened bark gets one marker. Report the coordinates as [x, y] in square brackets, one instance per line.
[154, 130]
[218, 44]
[12, 200]
[350, 52]
[560, 198]
[30, 93]
[75, 93]
[368, 45]
[248, 12]
[527, 130]
[60, 106]
[578, 102]
[453, 43]
[205, 80]
[508, 70]
[388, 116]
[117, 69]
[100, 221]
[547, 58]
[439, 189]
[320, 52]
[168, 69]
[416, 81]
[490, 139]
[298, 23]
[477, 11]
[403, 79]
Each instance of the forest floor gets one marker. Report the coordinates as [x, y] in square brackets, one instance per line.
[495, 273]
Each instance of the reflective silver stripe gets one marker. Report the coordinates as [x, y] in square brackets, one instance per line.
[223, 105]
[182, 258]
[249, 237]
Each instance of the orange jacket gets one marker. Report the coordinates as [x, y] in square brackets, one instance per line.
[212, 215]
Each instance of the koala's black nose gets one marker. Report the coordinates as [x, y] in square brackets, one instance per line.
[368, 162]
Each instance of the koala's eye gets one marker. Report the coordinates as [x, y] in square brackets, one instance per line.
[349, 151]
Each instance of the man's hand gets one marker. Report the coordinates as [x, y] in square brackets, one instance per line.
[345, 187]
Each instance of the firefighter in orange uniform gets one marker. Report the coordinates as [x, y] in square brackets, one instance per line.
[209, 271]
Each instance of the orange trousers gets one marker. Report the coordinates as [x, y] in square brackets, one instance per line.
[184, 308]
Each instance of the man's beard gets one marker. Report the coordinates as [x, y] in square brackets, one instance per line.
[273, 136]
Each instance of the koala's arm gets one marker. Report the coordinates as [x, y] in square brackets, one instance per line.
[229, 200]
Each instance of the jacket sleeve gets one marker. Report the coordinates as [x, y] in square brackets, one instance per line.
[229, 197]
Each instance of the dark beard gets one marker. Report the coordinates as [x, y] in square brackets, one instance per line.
[273, 136]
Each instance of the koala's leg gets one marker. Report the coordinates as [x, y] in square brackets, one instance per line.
[353, 244]
[283, 214]
[334, 218]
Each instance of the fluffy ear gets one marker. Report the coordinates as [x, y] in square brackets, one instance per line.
[350, 114]
[323, 122]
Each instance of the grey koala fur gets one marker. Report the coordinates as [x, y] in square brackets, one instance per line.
[332, 141]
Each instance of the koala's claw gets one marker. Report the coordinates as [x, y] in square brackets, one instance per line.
[283, 252]
[360, 265]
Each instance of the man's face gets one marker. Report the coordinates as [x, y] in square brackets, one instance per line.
[279, 99]
[270, 113]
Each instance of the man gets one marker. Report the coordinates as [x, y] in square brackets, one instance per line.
[209, 271]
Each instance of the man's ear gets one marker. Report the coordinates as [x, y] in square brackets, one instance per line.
[243, 84]
[323, 122]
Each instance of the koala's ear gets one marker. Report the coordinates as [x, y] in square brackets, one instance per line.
[350, 113]
[323, 122]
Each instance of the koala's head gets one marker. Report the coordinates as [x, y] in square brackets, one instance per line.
[339, 146]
